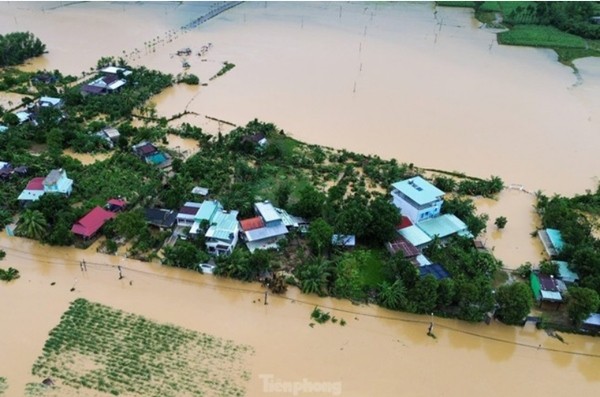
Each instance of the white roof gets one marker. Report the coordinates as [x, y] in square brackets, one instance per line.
[202, 191]
[115, 70]
[551, 295]
[418, 190]
[49, 100]
[116, 84]
[422, 260]
[267, 211]
[594, 319]
[23, 116]
[415, 236]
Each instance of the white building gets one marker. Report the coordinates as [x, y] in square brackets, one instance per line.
[417, 199]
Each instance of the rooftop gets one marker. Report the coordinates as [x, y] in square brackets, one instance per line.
[251, 223]
[208, 210]
[436, 270]
[266, 232]
[35, 184]
[225, 225]
[565, 273]
[267, 211]
[444, 226]
[92, 222]
[160, 217]
[415, 236]
[402, 244]
[418, 190]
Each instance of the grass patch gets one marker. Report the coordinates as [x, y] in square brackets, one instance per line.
[97, 348]
[371, 268]
[540, 36]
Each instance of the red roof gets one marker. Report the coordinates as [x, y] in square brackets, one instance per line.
[36, 184]
[405, 223]
[117, 203]
[92, 222]
[252, 223]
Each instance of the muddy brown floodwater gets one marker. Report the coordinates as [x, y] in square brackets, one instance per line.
[405, 81]
[377, 353]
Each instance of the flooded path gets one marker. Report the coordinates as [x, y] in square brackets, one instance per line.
[500, 358]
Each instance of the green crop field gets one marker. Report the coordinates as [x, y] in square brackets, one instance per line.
[540, 36]
[97, 350]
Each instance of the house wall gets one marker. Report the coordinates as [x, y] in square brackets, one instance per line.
[415, 212]
[212, 245]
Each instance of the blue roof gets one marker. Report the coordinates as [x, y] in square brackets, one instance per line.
[436, 270]
[418, 190]
[225, 224]
[556, 239]
[444, 226]
[207, 210]
[565, 273]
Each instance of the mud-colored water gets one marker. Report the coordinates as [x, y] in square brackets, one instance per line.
[87, 158]
[379, 78]
[492, 359]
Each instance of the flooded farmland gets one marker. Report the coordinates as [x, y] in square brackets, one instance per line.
[405, 81]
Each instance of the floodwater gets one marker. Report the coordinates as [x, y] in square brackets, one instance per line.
[86, 158]
[499, 358]
[403, 81]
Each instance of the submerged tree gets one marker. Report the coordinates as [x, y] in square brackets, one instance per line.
[17, 47]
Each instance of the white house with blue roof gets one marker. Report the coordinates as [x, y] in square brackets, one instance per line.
[417, 199]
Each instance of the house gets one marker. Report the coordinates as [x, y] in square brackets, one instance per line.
[204, 215]
[161, 218]
[565, 273]
[545, 288]
[187, 214]
[444, 226]
[222, 234]
[415, 236]
[435, 269]
[417, 198]
[150, 154]
[87, 226]
[23, 116]
[201, 191]
[110, 135]
[50, 102]
[56, 182]
[266, 236]
[111, 80]
[44, 78]
[592, 323]
[401, 244]
[552, 241]
[343, 240]
[259, 139]
[115, 205]
[33, 191]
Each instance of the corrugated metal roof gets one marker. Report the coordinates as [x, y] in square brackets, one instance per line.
[267, 211]
[443, 226]
[415, 236]
[436, 270]
[419, 190]
[565, 273]
[208, 210]
[556, 239]
[251, 223]
[266, 232]
[594, 319]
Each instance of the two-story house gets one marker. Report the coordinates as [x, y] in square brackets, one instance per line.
[417, 199]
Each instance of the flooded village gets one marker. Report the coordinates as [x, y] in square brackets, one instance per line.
[399, 105]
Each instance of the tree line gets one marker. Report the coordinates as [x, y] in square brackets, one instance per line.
[17, 47]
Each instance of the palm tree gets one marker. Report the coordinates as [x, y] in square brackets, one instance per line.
[313, 278]
[32, 224]
[392, 296]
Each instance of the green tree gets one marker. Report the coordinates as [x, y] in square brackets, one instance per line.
[129, 224]
[347, 282]
[314, 276]
[425, 294]
[319, 236]
[500, 222]
[282, 194]
[183, 254]
[446, 292]
[383, 221]
[61, 234]
[549, 268]
[392, 296]
[582, 302]
[514, 303]
[32, 224]
[310, 203]
[5, 218]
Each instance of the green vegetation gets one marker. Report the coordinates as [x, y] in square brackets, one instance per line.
[582, 302]
[190, 79]
[17, 47]
[514, 303]
[565, 27]
[501, 222]
[3, 385]
[227, 66]
[10, 274]
[98, 348]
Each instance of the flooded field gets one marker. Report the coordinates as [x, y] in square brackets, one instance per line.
[404, 81]
[499, 358]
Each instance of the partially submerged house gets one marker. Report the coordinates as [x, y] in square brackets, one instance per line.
[111, 79]
[55, 182]
[417, 199]
[110, 135]
[268, 232]
[88, 225]
[565, 273]
[592, 323]
[552, 241]
[150, 154]
[545, 288]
